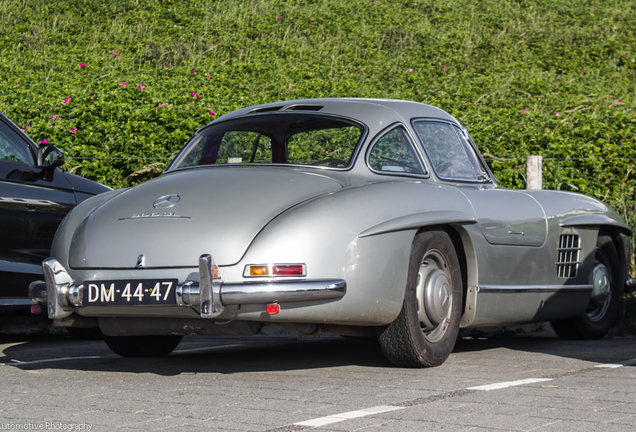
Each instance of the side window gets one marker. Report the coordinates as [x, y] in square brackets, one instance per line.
[13, 148]
[393, 153]
[445, 150]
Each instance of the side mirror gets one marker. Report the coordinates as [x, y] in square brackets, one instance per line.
[49, 158]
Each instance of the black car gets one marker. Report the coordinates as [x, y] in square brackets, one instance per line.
[34, 198]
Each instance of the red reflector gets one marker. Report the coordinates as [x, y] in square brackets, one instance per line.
[289, 270]
[272, 309]
[36, 309]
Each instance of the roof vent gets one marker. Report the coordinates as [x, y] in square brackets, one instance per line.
[568, 256]
[304, 108]
[265, 109]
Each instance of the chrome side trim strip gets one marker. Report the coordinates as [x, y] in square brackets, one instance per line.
[533, 288]
[283, 291]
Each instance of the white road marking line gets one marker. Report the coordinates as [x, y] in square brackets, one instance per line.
[335, 418]
[497, 386]
[25, 363]
[50, 360]
[210, 348]
[617, 365]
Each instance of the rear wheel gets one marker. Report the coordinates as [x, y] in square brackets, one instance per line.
[142, 346]
[607, 284]
[425, 332]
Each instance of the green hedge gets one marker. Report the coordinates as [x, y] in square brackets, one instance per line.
[528, 77]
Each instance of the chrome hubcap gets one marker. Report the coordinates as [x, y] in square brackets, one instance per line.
[601, 293]
[434, 296]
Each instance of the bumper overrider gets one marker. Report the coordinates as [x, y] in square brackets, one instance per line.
[209, 293]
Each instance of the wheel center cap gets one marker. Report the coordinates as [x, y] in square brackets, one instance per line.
[444, 296]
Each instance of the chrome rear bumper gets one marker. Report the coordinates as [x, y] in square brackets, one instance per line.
[210, 294]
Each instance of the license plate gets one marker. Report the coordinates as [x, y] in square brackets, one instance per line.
[130, 292]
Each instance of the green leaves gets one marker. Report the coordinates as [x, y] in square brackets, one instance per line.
[525, 78]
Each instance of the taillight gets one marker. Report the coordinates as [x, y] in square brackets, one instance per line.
[289, 270]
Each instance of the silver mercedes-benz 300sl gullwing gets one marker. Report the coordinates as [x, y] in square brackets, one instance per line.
[334, 216]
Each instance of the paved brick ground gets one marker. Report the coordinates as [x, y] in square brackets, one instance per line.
[272, 383]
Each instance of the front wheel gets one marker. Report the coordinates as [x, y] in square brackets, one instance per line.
[142, 346]
[425, 331]
[602, 310]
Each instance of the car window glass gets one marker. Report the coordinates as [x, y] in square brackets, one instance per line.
[394, 153]
[305, 139]
[445, 149]
[331, 147]
[245, 147]
[12, 147]
[473, 154]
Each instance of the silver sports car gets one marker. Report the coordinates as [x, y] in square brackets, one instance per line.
[356, 217]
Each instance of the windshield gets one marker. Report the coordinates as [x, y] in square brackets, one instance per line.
[302, 139]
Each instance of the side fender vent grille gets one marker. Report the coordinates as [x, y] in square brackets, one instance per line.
[568, 256]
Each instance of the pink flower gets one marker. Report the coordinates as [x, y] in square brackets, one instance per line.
[208, 75]
[618, 101]
[525, 111]
[279, 18]
[410, 70]
[443, 67]
[122, 84]
[66, 100]
[162, 105]
[82, 65]
[558, 78]
[584, 73]
[557, 114]
[141, 86]
[467, 102]
[573, 109]
[194, 94]
[115, 55]
[192, 72]
[72, 130]
[212, 112]
[44, 142]
[50, 125]
[190, 103]
[53, 117]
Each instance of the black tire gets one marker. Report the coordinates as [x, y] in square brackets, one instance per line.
[142, 346]
[86, 333]
[601, 313]
[425, 331]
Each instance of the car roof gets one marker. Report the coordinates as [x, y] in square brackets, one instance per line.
[369, 111]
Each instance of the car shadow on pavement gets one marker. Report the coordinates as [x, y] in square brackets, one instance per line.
[287, 352]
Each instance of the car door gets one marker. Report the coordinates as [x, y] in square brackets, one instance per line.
[31, 208]
[506, 217]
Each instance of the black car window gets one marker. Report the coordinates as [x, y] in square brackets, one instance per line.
[302, 139]
[393, 153]
[12, 147]
[445, 150]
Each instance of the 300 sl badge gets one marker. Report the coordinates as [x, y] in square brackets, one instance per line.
[155, 215]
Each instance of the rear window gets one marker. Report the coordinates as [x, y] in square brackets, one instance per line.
[300, 139]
